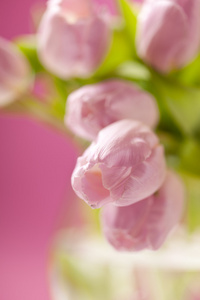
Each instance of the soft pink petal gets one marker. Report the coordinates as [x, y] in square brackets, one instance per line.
[149, 174]
[123, 165]
[161, 32]
[73, 9]
[192, 44]
[124, 143]
[15, 73]
[167, 209]
[146, 223]
[72, 40]
[168, 34]
[93, 107]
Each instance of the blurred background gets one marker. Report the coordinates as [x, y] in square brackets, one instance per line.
[35, 168]
[36, 200]
[36, 163]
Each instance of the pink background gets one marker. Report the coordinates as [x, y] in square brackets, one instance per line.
[35, 169]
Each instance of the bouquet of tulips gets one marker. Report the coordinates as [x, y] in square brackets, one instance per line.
[131, 76]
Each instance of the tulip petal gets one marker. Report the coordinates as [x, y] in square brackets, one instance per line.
[163, 41]
[146, 223]
[72, 38]
[15, 73]
[93, 107]
[123, 165]
[150, 173]
[168, 34]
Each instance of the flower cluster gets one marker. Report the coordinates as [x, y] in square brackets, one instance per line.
[124, 169]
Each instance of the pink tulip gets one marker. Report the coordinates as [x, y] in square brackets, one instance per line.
[147, 223]
[15, 73]
[93, 107]
[122, 166]
[168, 33]
[193, 292]
[73, 38]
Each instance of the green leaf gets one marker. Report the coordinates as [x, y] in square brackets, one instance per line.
[189, 156]
[130, 21]
[119, 52]
[61, 87]
[183, 103]
[192, 184]
[189, 75]
[27, 44]
[133, 70]
[167, 122]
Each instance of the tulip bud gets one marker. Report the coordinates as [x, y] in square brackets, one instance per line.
[15, 72]
[168, 33]
[73, 38]
[123, 165]
[146, 223]
[93, 107]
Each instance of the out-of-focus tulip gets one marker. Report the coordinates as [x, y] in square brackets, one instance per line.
[73, 38]
[147, 223]
[93, 107]
[168, 33]
[15, 73]
[123, 165]
[193, 293]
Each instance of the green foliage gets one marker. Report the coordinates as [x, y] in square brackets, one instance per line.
[178, 98]
[189, 156]
[189, 75]
[130, 19]
[133, 70]
[115, 58]
[184, 105]
[123, 42]
[180, 102]
[192, 184]
[27, 44]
